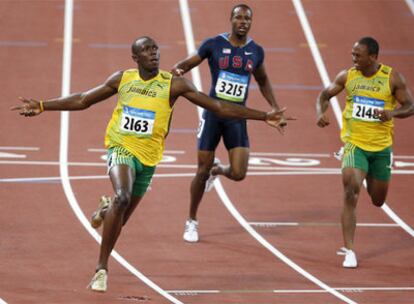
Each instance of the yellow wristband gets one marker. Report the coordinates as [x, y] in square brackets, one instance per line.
[41, 106]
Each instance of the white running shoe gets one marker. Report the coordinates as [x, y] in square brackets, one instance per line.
[99, 281]
[191, 231]
[212, 178]
[350, 260]
[340, 154]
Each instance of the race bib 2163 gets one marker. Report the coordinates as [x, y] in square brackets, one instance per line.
[137, 121]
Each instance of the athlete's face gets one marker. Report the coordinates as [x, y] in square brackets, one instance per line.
[146, 54]
[241, 21]
[361, 57]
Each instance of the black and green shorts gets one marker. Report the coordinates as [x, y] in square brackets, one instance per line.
[376, 164]
[143, 174]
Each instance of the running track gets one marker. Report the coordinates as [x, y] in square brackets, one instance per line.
[290, 202]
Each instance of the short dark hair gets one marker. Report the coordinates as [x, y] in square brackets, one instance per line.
[245, 6]
[134, 46]
[371, 44]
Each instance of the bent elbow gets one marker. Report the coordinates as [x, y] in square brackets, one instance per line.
[325, 95]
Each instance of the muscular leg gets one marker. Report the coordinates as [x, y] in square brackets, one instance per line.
[205, 161]
[134, 203]
[377, 190]
[122, 178]
[352, 179]
[239, 160]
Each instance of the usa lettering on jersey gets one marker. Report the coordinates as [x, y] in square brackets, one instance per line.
[236, 62]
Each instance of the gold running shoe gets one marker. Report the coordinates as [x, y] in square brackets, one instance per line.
[99, 281]
[96, 219]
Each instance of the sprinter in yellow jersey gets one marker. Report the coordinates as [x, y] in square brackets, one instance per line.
[136, 133]
[373, 91]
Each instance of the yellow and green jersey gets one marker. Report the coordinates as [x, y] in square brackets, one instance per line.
[141, 118]
[364, 95]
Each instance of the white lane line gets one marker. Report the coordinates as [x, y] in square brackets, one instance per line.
[174, 175]
[288, 291]
[403, 156]
[51, 163]
[410, 4]
[191, 49]
[183, 152]
[316, 224]
[337, 110]
[185, 13]
[160, 175]
[290, 154]
[63, 157]
[397, 219]
[290, 170]
[265, 167]
[276, 252]
[401, 164]
[82, 164]
[11, 155]
[2, 301]
[84, 177]
[20, 148]
[165, 151]
[316, 56]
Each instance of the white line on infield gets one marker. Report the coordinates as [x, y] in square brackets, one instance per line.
[287, 291]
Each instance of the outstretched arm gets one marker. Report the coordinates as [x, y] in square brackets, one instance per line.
[322, 102]
[183, 87]
[74, 102]
[183, 66]
[404, 97]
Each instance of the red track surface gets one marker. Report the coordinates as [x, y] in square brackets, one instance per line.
[47, 256]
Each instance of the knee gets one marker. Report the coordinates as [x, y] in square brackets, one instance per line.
[238, 175]
[351, 195]
[377, 195]
[121, 201]
[203, 173]
[378, 201]
[202, 176]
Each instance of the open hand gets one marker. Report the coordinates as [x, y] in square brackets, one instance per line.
[29, 107]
